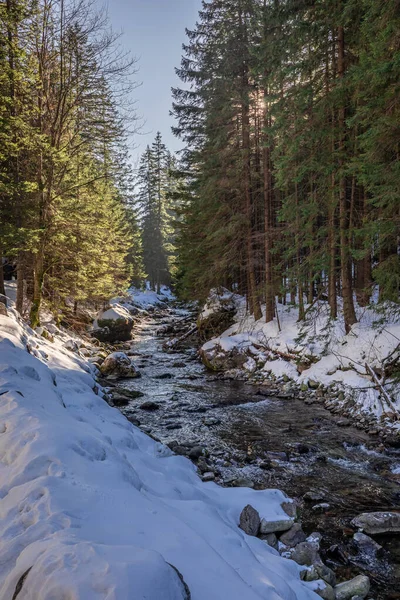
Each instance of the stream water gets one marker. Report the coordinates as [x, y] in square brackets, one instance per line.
[269, 441]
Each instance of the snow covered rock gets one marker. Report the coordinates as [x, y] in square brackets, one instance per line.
[113, 325]
[218, 313]
[118, 366]
[378, 522]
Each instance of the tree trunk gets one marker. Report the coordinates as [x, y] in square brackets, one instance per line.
[347, 288]
[267, 178]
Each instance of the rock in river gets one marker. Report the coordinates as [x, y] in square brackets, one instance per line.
[118, 366]
[149, 406]
[378, 522]
[250, 520]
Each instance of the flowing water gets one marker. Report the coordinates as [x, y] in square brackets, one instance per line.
[272, 442]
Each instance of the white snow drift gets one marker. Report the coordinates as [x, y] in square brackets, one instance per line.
[91, 508]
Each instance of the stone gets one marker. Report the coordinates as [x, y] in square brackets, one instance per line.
[314, 385]
[196, 452]
[314, 496]
[325, 591]
[295, 535]
[243, 482]
[378, 522]
[209, 476]
[119, 400]
[118, 366]
[321, 508]
[290, 508]
[150, 406]
[271, 540]
[209, 421]
[326, 574]
[250, 520]
[164, 376]
[275, 526]
[304, 387]
[306, 553]
[359, 586]
[367, 545]
[131, 394]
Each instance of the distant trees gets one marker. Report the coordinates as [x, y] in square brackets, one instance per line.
[290, 115]
[66, 216]
[155, 199]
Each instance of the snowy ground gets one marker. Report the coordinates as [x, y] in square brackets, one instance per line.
[91, 508]
[339, 360]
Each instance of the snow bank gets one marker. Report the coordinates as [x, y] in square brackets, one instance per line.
[91, 508]
[320, 345]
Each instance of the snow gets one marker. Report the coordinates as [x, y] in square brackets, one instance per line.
[146, 298]
[339, 359]
[219, 299]
[91, 508]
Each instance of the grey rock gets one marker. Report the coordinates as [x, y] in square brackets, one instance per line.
[313, 384]
[149, 406]
[366, 545]
[209, 476]
[326, 574]
[295, 535]
[314, 496]
[271, 540]
[290, 508]
[306, 553]
[359, 586]
[378, 522]
[275, 526]
[325, 591]
[250, 520]
[243, 482]
[196, 452]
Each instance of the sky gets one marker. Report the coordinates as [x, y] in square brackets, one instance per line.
[154, 31]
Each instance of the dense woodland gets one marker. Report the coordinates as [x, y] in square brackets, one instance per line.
[290, 113]
[287, 188]
[66, 217]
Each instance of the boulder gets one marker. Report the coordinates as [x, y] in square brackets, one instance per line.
[295, 535]
[378, 522]
[275, 526]
[209, 476]
[218, 313]
[118, 366]
[359, 586]
[113, 325]
[250, 520]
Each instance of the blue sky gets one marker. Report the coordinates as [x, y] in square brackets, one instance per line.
[154, 31]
